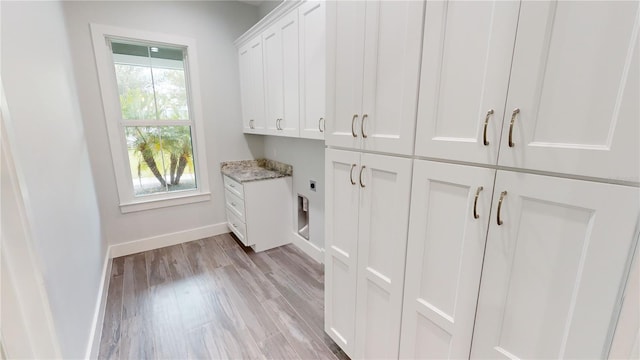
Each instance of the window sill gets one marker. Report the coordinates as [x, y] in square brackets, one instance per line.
[167, 202]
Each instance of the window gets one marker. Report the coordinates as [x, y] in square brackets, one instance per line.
[152, 115]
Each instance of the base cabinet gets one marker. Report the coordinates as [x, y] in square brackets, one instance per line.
[450, 207]
[367, 217]
[259, 212]
[556, 258]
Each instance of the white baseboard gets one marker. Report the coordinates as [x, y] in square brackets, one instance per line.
[101, 304]
[308, 247]
[156, 242]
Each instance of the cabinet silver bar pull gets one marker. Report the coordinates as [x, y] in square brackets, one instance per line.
[475, 203]
[361, 171]
[364, 117]
[320, 125]
[515, 113]
[486, 125]
[502, 195]
[353, 166]
[353, 121]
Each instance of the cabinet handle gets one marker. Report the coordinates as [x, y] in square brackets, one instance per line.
[353, 166]
[353, 121]
[320, 127]
[361, 171]
[278, 124]
[475, 203]
[486, 125]
[515, 113]
[233, 204]
[364, 117]
[502, 195]
[250, 124]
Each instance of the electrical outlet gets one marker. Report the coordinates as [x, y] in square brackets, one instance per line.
[312, 185]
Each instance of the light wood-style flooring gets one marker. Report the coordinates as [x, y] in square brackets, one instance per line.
[214, 299]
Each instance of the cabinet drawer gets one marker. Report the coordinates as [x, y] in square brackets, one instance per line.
[235, 187]
[238, 227]
[234, 204]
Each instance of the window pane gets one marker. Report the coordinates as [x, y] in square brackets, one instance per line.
[171, 93]
[160, 158]
[151, 82]
[136, 92]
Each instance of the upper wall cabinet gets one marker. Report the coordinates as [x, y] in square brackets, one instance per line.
[374, 52]
[281, 76]
[312, 69]
[282, 72]
[575, 81]
[252, 86]
[464, 79]
[573, 84]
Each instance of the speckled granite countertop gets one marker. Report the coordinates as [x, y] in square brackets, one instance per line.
[253, 170]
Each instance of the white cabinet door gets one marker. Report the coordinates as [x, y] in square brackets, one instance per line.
[385, 186]
[274, 86]
[449, 217]
[252, 87]
[290, 123]
[374, 69]
[281, 76]
[393, 44]
[246, 85]
[341, 244]
[575, 80]
[345, 52]
[257, 80]
[312, 69]
[466, 59]
[554, 269]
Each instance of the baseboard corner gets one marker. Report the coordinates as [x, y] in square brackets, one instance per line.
[308, 247]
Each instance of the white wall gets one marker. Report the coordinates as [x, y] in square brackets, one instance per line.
[307, 158]
[214, 25]
[45, 132]
[266, 7]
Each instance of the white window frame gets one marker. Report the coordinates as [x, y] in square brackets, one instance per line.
[101, 34]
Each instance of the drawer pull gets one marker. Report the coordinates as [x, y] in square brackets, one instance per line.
[515, 113]
[353, 121]
[364, 117]
[361, 171]
[475, 203]
[486, 124]
[502, 195]
[321, 125]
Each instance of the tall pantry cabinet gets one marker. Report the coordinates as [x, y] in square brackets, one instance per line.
[373, 74]
[524, 200]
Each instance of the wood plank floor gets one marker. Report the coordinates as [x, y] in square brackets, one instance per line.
[214, 299]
